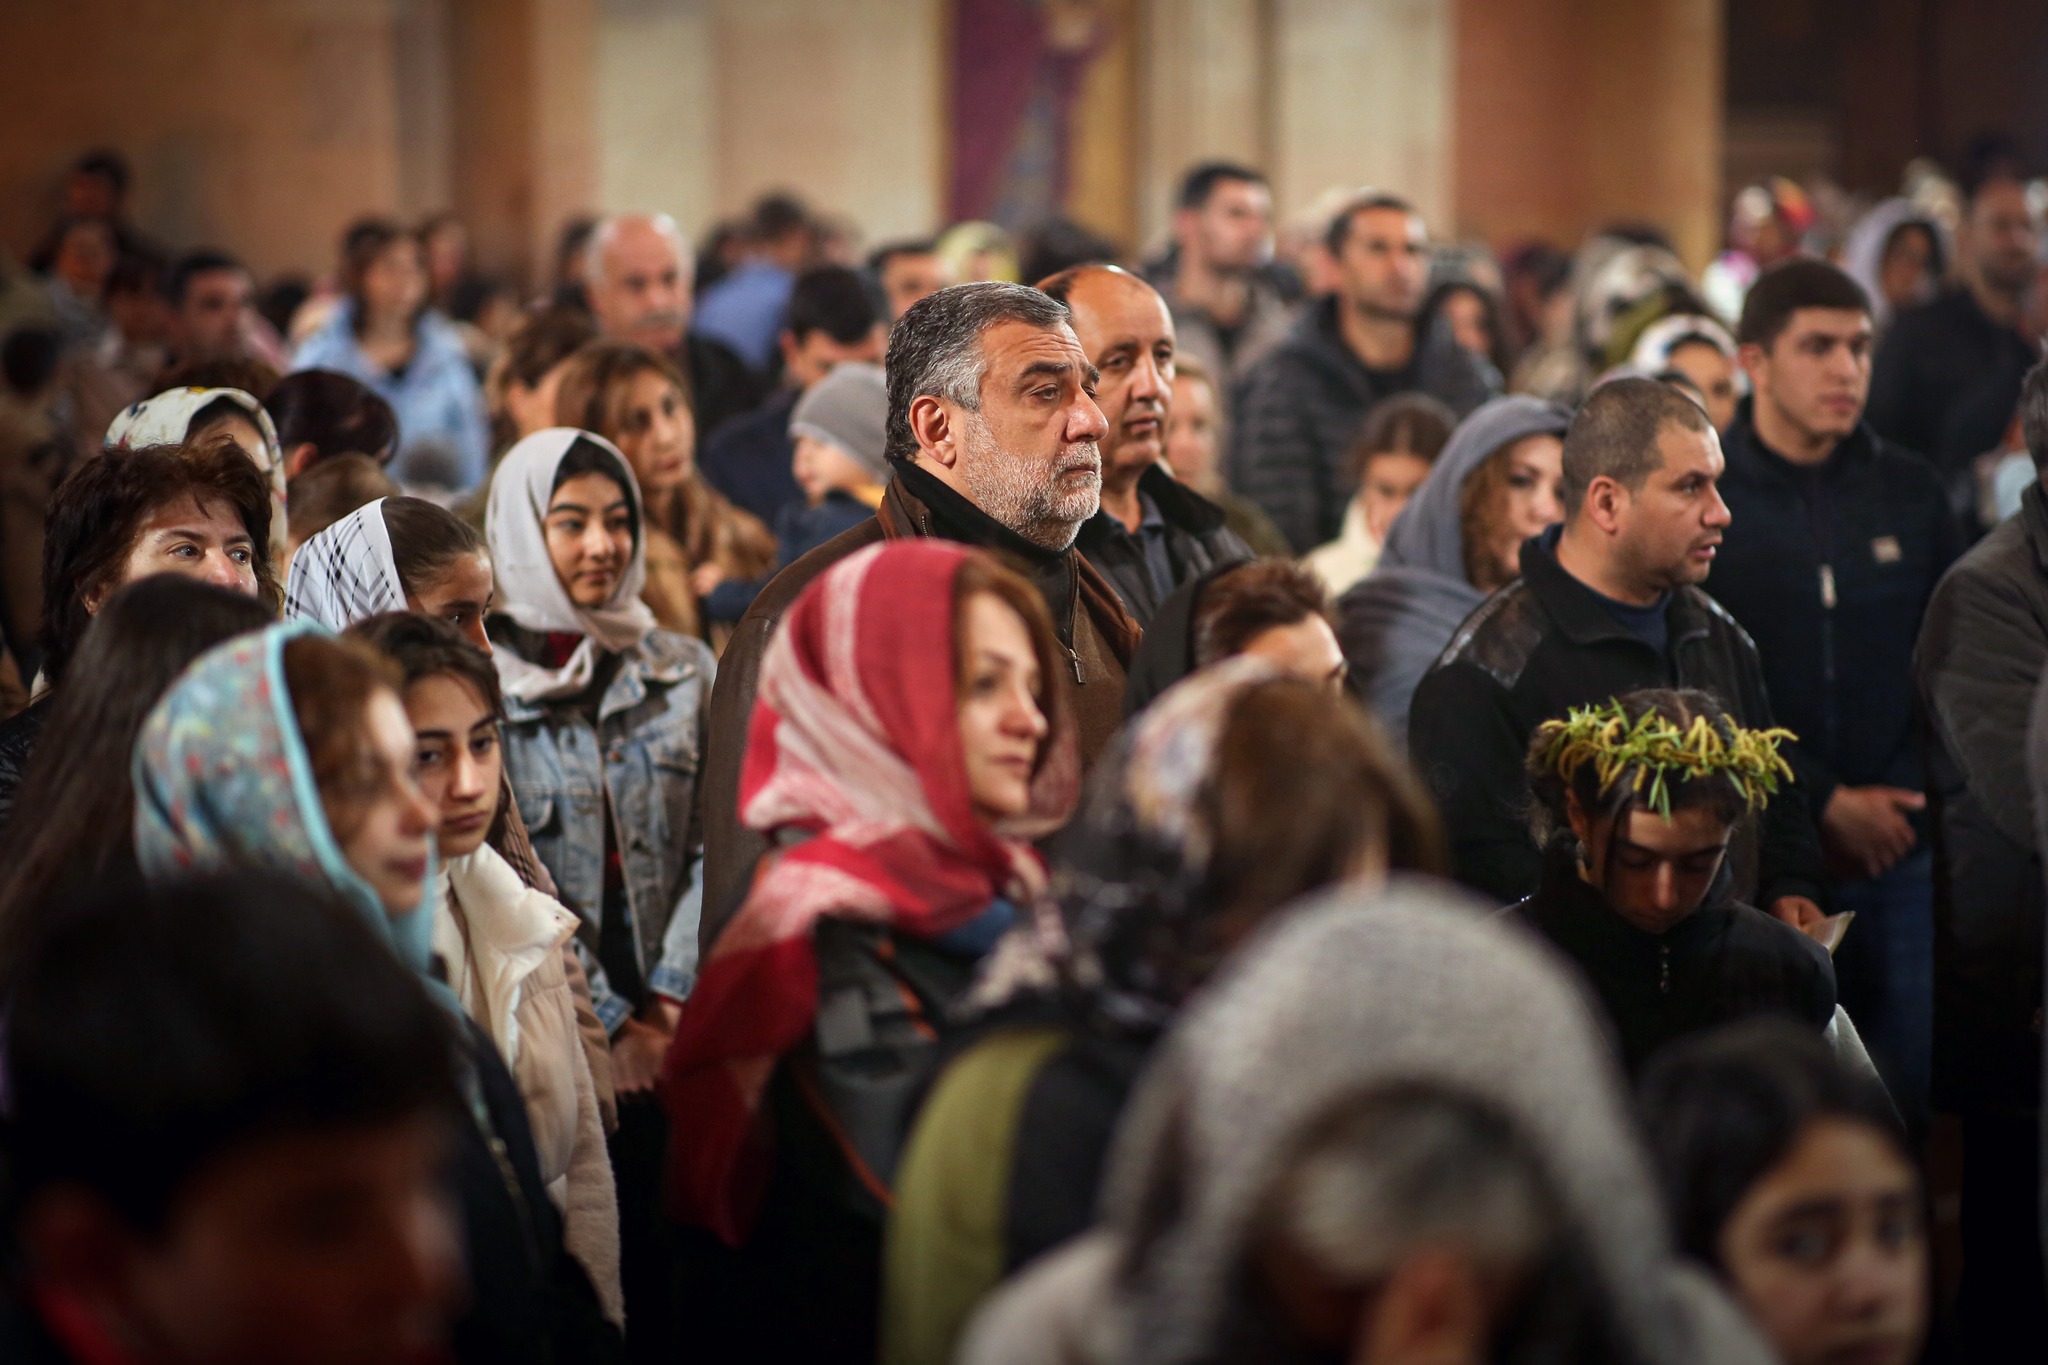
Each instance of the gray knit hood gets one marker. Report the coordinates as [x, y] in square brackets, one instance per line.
[1426, 535]
[1353, 991]
[1396, 620]
[848, 408]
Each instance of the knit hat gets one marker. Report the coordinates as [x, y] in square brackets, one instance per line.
[847, 408]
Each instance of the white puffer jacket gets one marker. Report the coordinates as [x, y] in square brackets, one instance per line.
[502, 943]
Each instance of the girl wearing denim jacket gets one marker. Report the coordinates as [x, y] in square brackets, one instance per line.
[604, 722]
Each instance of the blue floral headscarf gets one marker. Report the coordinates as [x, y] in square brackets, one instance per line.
[223, 779]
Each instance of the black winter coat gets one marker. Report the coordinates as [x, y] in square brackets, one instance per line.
[1832, 590]
[1982, 650]
[529, 1299]
[1540, 646]
[722, 388]
[1725, 961]
[1300, 409]
[1196, 542]
[18, 735]
[1944, 384]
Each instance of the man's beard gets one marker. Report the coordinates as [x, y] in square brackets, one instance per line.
[1026, 494]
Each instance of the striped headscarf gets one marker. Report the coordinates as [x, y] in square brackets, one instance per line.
[346, 572]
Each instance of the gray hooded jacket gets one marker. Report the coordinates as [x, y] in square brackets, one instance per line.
[1351, 992]
[1394, 622]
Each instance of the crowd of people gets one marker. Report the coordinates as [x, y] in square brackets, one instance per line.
[983, 802]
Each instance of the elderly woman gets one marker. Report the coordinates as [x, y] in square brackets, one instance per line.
[177, 416]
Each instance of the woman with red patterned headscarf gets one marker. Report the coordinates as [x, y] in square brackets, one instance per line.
[909, 738]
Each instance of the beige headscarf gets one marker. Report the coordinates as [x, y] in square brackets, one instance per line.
[164, 420]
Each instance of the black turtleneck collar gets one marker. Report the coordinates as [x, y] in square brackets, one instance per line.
[946, 513]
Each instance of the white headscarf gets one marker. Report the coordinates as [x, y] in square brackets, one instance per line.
[1863, 252]
[163, 420]
[346, 573]
[528, 589]
[1652, 353]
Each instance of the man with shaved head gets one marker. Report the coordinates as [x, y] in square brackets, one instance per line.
[636, 274]
[1153, 532]
[994, 438]
[1607, 603]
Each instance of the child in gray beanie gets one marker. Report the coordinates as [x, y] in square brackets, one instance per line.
[837, 426]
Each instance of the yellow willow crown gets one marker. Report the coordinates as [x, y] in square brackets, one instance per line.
[1654, 748]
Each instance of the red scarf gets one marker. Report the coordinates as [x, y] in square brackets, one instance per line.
[854, 739]
[76, 1329]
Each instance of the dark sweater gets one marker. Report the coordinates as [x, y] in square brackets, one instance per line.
[1725, 961]
[1197, 540]
[1300, 409]
[1944, 384]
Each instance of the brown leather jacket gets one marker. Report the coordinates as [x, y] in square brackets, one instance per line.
[1091, 623]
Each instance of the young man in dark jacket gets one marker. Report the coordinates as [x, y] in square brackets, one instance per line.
[1300, 409]
[1948, 373]
[1982, 651]
[1152, 533]
[1837, 543]
[1606, 604]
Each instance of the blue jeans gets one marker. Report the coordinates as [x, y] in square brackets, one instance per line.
[1885, 971]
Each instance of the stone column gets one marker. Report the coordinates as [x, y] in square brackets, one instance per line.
[524, 118]
[1203, 70]
[1362, 95]
[1571, 113]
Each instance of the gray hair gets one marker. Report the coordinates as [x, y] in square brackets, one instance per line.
[608, 228]
[1408, 1166]
[935, 348]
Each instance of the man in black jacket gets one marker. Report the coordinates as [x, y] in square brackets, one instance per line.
[1982, 651]
[1948, 373]
[1837, 543]
[1299, 411]
[1153, 533]
[1606, 604]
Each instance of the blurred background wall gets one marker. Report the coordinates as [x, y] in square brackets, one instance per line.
[265, 125]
